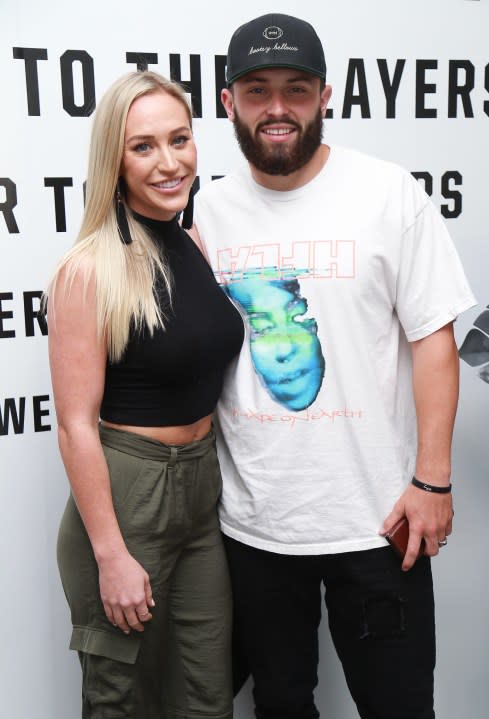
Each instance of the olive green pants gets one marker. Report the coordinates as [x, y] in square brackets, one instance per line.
[165, 500]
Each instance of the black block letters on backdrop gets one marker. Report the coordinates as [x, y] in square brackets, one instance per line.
[12, 414]
[461, 82]
[58, 184]
[68, 86]
[34, 321]
[449, 179]
[462, 79]
[8, 204]
[142, 60]
[12, 409]
[454, 196]
[31, 55]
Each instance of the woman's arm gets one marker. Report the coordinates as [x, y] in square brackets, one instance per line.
[77, 359]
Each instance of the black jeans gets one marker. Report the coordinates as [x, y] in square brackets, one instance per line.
[381, 620]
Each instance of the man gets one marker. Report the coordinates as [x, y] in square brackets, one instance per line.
[312, 482]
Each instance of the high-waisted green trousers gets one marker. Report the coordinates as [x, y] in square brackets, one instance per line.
[165, 500]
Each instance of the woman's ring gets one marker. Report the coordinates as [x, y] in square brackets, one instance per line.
[442, 542]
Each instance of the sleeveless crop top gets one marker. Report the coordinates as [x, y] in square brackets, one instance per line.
[174, 377]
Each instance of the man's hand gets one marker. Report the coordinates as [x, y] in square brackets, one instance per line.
[429, 516]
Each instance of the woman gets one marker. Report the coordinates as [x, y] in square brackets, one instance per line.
[140, 335]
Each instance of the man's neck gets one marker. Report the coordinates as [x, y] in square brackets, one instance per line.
[285, 183]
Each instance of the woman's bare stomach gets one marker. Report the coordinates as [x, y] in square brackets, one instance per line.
[183, 434]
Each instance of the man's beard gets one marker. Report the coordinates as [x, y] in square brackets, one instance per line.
[278, 159]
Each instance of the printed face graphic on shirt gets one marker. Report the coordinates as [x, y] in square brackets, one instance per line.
[284, 345]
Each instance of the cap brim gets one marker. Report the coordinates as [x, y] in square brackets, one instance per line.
[267, 66]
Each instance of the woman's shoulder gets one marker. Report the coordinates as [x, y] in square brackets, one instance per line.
[74, 276]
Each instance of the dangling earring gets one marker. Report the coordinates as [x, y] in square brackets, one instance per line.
[122, 224]
[188, 213]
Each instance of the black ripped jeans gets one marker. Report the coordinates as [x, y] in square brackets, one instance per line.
[381, 621]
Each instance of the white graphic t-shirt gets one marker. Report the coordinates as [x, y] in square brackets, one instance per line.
[317, 422]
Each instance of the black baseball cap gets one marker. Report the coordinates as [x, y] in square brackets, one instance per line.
[275, 40]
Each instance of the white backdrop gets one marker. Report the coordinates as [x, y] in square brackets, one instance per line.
[55, 58]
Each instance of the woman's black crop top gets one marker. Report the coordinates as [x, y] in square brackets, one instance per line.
[174, 377]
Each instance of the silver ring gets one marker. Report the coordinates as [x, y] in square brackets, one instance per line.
[442, 542]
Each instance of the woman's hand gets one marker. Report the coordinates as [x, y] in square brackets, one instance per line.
[125, 591]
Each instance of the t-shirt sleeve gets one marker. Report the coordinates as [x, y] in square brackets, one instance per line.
[432, 288]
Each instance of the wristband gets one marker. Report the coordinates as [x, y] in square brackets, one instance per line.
[431, 487]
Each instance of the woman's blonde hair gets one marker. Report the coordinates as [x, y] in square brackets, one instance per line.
[124, 274]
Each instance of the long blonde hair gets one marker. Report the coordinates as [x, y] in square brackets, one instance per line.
[124, 274]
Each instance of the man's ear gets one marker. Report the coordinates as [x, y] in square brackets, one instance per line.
[228, 102]
[325, 98]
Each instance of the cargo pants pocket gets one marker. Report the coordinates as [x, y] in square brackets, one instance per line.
[111, 683]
